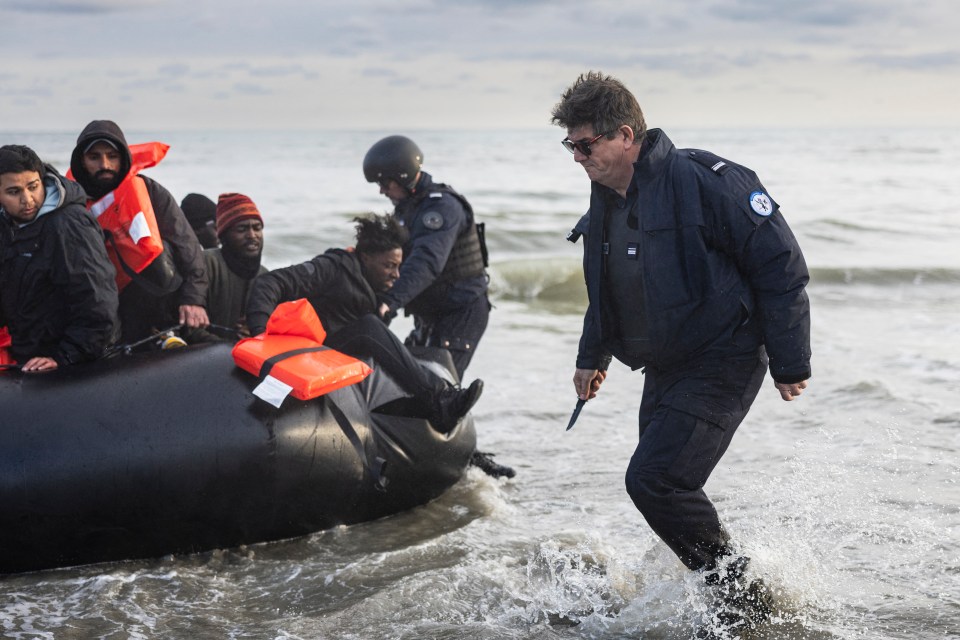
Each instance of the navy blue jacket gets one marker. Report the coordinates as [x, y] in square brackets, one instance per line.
[435, 220]
[722, 272]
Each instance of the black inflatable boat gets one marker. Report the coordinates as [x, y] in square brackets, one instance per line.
[151, 454]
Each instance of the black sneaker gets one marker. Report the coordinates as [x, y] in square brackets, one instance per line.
[484, 462]
[451, 404]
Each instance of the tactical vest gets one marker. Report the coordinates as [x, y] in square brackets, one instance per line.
[623, 286]
[468, 258]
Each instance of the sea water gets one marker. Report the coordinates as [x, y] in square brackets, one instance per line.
[847, 499]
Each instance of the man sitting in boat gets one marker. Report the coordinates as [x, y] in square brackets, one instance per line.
[172, 289]
[232, 267]
[58, 296]
[342, 286]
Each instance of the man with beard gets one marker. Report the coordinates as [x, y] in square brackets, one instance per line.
[58, 296]
[100, 162]
[343, 287]
[232, 268]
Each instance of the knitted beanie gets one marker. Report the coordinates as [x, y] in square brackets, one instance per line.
[232, 208]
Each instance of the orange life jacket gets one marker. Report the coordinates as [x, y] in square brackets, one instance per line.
[127, 218]
[289, 358]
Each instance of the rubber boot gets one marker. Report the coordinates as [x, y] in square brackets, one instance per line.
[739, 604]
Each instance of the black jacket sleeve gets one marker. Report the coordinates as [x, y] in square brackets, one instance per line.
[83, 273]
[769, 257]
[303, 280]
[187, 252]
[590, 353]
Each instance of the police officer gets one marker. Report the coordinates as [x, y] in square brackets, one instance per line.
[693, 275]
[443, 281]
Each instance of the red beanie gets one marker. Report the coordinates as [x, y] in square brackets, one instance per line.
[232, 208]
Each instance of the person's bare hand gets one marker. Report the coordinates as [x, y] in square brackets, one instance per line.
[790, 391]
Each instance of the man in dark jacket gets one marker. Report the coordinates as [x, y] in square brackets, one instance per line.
[692, 274]
[100, 162]
[342, 286]
[442, 282]
[232, 268]
[58, 296]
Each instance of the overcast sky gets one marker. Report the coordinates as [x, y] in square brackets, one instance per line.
[194, 64]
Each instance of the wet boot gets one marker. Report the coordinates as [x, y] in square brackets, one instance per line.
[484, 462]
[452, 403]
[740, 605]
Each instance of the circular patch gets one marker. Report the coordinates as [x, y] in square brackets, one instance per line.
[761, 203]
[432, 220]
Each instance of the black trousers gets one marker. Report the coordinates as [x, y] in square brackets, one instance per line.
[458, 332]
[687, 419]
[369, 337]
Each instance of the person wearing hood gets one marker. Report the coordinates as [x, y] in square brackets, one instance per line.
[342, 285]
[201, 213]
[58, 295]
[100, 162]
[231, 269]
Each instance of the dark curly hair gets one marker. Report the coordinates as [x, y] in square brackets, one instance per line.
[602, 101]
[376, 234]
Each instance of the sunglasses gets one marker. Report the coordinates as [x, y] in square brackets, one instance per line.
[583, 146]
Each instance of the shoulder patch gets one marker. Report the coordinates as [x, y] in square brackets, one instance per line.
[710, 160]
[436, 194]
[761, 204]
[432, 220]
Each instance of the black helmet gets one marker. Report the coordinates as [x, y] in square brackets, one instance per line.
[395, 158]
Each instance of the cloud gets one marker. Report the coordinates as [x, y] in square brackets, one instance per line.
[280, 71]
[932, 61]
[28, 92]
[174, 70]
[487, 62]
[79, 6]
[378, 72]
[251, 89]
[819, 13]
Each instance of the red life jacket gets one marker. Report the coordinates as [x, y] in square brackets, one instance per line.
[127, 218]
[289, 358]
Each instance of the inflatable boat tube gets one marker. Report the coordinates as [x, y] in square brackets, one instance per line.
[164, 453]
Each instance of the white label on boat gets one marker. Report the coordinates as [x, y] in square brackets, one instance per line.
[273, 391]
[139, 229]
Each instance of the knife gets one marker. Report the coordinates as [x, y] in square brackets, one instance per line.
[576, 413]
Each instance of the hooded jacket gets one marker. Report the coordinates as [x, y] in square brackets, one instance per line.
[174, 228]
[58, 295]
